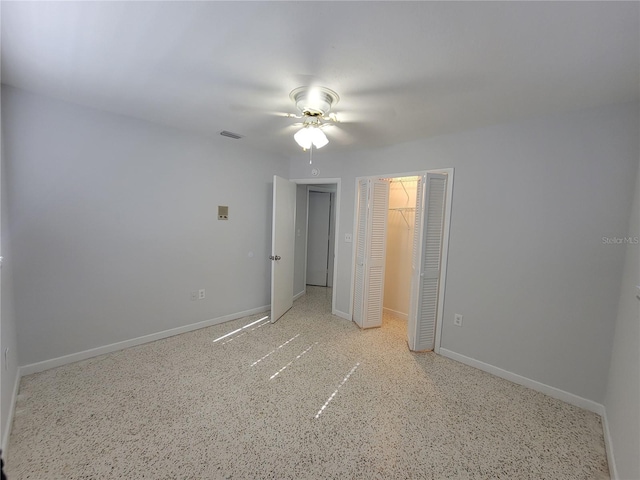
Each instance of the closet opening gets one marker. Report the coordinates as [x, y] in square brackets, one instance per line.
[398, 258]
[401, 247]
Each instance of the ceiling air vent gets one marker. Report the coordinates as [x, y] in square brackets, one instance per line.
[235, 136]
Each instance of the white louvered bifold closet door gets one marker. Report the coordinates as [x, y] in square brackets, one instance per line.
[361, 240]
[371, 245]
[430, 255]
[416, 257]
[376, 252]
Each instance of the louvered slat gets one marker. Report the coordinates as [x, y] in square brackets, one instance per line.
[379, 222]
[417, 224]
[375, 297]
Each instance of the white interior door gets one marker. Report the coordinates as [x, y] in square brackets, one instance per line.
[318, 238]
[427, 261]
[371, 246]
[282, 246]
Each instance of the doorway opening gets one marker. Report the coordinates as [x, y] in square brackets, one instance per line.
[316, 235]
[320, 235]
[401, 247]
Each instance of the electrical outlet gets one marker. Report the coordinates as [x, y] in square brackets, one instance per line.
[457, 319]
[348, 238]
[201, 294]
[194, 296]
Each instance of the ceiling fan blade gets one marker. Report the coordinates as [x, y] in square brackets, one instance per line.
[365, 115]
[288, 130]
[260, 111]
[334, 132]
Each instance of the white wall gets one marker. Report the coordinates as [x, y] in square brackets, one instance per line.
[114, 222]
[8, 340]
[622, 400]
[527, 267]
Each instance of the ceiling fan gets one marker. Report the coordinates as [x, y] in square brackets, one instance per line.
[314, 105]
[314, 108]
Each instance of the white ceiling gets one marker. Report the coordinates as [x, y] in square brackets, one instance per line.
[403, 70]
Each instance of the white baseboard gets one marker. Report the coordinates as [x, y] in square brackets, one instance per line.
[527, 382]
[93, 352]
[608, 447]
[298, 295]
[338, 313]
[396, 313]
[7, 428]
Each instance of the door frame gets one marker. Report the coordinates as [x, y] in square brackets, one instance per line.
[445, 242]
[326, 181]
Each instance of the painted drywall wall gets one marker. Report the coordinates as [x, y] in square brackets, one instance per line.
[300, 249]
[113, 224]
[622, 400]
[527, 268]
[8, 336]
[400, 229]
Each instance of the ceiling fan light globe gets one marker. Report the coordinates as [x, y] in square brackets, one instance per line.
[318, 138]
[303, 138]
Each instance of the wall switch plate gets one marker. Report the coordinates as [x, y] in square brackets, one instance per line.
[201, 294]
[348, 238]
[457, 319]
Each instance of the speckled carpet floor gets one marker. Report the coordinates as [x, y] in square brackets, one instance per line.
[310, 397]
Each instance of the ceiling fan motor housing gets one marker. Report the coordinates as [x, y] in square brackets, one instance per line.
[314, 101]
